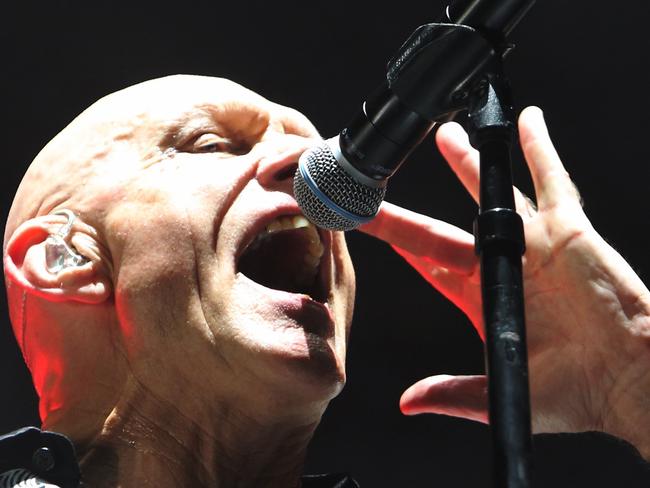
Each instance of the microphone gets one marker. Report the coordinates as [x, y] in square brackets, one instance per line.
[341, 182]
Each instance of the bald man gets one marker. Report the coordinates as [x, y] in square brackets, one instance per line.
[186, 326]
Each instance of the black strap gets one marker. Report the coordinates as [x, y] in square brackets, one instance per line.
[328, 481]
[48, 455]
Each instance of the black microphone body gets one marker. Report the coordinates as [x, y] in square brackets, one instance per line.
[341, 183]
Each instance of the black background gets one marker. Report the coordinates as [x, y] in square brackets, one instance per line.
[584, 62]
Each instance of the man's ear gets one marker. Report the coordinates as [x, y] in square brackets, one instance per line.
[26, 265]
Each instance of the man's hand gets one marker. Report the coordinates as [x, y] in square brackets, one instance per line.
[587, 312]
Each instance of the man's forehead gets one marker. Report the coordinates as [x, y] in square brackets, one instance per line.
[193, 100]
[176, 96]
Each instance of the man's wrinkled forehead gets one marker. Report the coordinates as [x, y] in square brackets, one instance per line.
[166, 94]
[183, 103]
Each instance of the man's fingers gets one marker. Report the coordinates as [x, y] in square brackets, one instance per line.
[458, 396]
[460, 289]
[463, 159]
[444, 244]
[552, 182]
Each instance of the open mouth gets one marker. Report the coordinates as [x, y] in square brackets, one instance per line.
[286, 256]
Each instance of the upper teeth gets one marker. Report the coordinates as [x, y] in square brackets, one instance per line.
[311, 260]
[315, 247]
[290, 222]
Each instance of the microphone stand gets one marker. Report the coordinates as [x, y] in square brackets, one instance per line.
[440, 70]
[499, 241]
[443, 69]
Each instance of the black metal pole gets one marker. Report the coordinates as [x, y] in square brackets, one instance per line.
[493, 18]
[500, 243]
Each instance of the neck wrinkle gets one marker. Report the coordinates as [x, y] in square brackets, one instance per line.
[149, 442]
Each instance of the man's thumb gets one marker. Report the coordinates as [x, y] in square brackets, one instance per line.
[458, 396]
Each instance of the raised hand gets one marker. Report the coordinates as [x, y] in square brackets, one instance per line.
[587, 312]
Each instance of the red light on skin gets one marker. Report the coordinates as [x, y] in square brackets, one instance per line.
[470, 305]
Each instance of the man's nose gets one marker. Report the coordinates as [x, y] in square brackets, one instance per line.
[278, 165]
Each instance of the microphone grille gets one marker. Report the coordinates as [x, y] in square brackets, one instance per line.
[338, 202]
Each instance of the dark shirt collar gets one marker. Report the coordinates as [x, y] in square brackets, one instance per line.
[48, 455]
[51, 456]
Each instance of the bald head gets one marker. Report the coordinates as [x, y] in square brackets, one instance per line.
[130, 128]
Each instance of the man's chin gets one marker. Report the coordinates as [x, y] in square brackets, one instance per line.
[318, 376]
[300, 364]
[291, 340]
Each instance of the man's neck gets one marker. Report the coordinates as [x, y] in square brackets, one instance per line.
[147, 442]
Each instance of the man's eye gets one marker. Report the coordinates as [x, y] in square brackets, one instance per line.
[209, 143]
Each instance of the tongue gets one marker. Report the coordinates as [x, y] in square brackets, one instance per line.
[277, 261]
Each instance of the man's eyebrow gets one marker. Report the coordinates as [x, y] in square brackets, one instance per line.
[190, 122]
